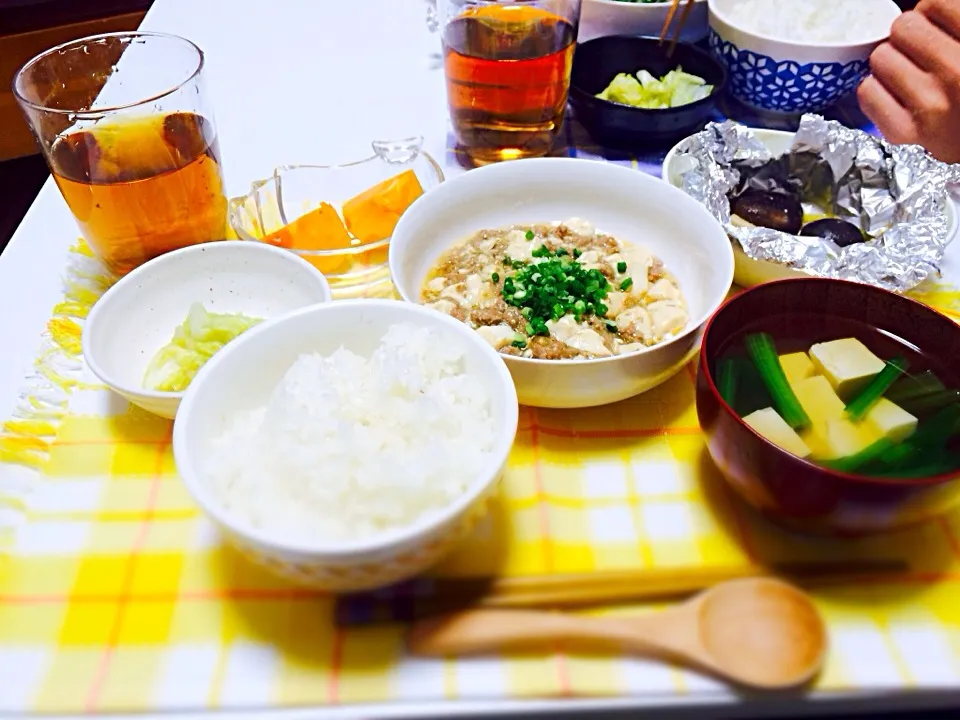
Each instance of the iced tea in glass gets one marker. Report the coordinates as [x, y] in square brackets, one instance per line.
[131, 142]
[507, 65]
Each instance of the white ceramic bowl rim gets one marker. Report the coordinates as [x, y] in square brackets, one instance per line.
[507, 431]
[150, 266]
[793, 45]
[693, 324]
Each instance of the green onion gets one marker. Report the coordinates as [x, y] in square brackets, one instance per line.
[625, 285]
[561, 252]
[553, 288]
[727, 381]
[621, 267]
[529, 235]
[853, 463]
[764, 355]
[521, 343]
[939, 465]
[752, 393]
[912, 387]
[577, 252]
[495, 277]
[931, 437]
[930, 403]
[861, 404]
[612, 327]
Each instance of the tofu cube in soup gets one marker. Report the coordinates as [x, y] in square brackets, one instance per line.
[891, 421]
[847, 363]
[843, 438]
[797, 367]
[819, 401]
[770, 425]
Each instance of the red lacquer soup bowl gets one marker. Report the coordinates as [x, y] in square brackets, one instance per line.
[794, 492]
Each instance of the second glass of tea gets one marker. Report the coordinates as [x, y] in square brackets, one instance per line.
[507, 65]
[129, 135]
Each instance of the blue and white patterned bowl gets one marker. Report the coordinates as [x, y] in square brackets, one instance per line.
[788, 77]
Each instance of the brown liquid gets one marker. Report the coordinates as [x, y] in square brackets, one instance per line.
[508, 72]
[142, 186]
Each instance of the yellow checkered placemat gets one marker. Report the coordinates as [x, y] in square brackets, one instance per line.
[117, 595]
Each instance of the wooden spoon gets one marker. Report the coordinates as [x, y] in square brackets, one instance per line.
[757, 632]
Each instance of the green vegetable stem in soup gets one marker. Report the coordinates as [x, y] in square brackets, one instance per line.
[643, 90]
[844, 395]
[557, 291]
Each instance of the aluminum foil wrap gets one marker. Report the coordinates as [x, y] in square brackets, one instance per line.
[897, 194]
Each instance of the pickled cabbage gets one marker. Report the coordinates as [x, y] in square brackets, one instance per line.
[194, 342]
[643, 90]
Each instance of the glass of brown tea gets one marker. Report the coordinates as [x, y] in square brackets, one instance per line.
[129, 135]
[507, 65]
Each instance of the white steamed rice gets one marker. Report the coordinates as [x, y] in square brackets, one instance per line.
[814, 21]
[349, 446]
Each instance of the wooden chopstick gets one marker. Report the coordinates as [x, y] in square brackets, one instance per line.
[671, 15]
[584, 590]
[688, 8]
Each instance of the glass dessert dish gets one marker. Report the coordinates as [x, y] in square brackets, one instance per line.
[339, 218]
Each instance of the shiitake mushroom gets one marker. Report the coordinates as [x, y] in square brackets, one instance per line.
[774, 210]
[840, 232]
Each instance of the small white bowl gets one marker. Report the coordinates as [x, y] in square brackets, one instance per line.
[600, 18]
[630, 205]
[747, 271]
[244, 374]
[138, 315]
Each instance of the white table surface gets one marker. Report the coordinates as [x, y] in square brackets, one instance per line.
[314, 81]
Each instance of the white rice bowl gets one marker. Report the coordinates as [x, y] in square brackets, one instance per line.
[813, 21]
[348, 447]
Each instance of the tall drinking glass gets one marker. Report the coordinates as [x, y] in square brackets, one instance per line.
[507, 65]
[129, 136]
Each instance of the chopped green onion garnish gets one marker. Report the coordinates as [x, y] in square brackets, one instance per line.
[764, 355]
[612, 327]
[561, 252]
[495, 277]
[860, 405]
[521, 343]
[529, 235]
[727, 381]
[625, 285]
[577, 252]
[621, 267]
[553, 288]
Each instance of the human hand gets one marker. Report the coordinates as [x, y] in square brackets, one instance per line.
[913, 93]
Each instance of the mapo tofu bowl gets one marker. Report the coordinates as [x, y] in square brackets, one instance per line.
[592, 280]
[833, 407]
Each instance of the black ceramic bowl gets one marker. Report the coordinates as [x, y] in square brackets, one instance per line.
[612, 125]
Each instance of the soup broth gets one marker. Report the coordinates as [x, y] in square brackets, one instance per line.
[927, 391]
